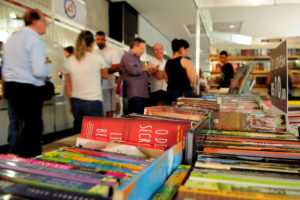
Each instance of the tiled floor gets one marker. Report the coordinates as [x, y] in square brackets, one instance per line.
[65, 142]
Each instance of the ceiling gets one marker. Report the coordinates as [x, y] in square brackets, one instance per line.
[259, 19]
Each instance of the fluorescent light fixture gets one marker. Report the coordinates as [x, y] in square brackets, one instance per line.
[12, 16]
[230, 37]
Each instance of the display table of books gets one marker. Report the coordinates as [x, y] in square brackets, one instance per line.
[222, 148]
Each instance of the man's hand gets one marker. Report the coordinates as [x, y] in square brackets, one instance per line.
[148, 67]
[153, 70]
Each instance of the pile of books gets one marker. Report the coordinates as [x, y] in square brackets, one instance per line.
[113, 159]
[244, 165]
[175, 112]
[294, 113]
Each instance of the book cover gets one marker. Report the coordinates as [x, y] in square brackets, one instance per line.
[143, 132]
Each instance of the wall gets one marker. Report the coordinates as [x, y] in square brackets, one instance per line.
[149, 33]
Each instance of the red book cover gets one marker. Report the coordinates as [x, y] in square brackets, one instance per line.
[153, 133]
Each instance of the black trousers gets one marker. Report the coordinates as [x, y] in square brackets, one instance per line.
[27, 101]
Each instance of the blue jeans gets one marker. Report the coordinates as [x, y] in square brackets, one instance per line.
[173, 95]
[13, 128]
[82, 108]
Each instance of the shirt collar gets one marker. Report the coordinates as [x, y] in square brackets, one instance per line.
[132, 53]
[32, 31]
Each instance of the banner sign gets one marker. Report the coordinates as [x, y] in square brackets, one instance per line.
[279, 77]
[74, 10]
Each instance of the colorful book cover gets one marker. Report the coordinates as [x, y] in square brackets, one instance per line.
[169, 188]
[143, 132]
[248, 122]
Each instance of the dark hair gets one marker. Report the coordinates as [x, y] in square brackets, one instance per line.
[224, 53]
[69, 49]
[177, 44]
[84, 40]
[136, 42]
[31, 15]
[100, 33]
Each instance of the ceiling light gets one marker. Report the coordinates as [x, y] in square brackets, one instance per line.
[232, 26]
[13, 16]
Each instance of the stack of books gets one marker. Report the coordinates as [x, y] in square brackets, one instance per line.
[244, 165]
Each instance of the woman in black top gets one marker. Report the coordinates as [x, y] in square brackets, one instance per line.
[179, 73]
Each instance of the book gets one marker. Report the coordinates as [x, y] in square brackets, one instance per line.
[123, 148]
[248, 122]
[82, 176]
[53, 183]
[241, 152]
[175, 112]
[140, 132]
[169, 188]
[204, 194]
[96, 160]
[27, 192]
[119, 157]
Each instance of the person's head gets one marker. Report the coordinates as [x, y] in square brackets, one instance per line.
[201, 74]
[158, 51]
[223, 57]
[138, 46]
[84, 43]
[181, 47]
[100, 39]
[69, 51]
[34, 18]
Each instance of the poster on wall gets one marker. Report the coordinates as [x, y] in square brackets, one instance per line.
[279, 77]
[70, 10]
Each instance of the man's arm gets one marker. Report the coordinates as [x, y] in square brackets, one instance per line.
[68, 86]
[2, 88]
[159, 75]
[132, 67]
[114, 68]
[104, 73]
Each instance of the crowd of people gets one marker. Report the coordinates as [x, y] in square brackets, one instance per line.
[89, 76]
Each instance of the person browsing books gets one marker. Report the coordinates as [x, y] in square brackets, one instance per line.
[112, 59]
[136, 76]
[25, 71]
[82, 80]
[157, 79]
[226, 71]
[179, 73]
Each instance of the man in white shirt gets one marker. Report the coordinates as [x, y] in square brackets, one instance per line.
[158, 83]
[112, 60]
[25, 70]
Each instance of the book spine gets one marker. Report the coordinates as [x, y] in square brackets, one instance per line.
[169, 188]
[57, 175]
[204, 194]
[283, 155]
[105, 160]
[35, 192]
[54, 183]
[108, 155]
[76, 157]
[98, 167]
[35, 162]
[88, 176]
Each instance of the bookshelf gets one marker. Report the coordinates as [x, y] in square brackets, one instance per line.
[261, 68]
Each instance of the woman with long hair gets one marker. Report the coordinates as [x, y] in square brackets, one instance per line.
[179, 72]
[83, 73]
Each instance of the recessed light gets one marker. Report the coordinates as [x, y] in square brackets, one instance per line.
[13, 15]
